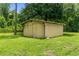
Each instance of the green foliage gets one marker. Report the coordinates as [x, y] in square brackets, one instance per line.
[57, 12]
[66, 13]
[4, 9]
[6, 29]
[2, 22]
[73, 25]
[11, 14]
[71, 15]
[51, 12]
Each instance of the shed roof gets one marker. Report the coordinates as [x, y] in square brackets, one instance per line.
[36, 20]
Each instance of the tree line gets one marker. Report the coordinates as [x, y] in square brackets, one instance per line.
[54, 12]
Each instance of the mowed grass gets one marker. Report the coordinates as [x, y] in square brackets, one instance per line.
[66, 45]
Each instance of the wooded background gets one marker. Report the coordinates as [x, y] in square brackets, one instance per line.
[67, 13]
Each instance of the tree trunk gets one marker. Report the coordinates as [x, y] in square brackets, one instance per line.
[15, 19]
[45, 17]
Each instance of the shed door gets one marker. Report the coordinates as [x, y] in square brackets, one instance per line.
[38, 30]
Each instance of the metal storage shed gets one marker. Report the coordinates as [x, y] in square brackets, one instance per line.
[42, 29]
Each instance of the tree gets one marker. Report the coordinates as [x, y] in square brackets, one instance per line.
[11, 18]
[51, 12]
[4, 10]
[71, 16]
[15, 18]
[2, 22]
[4, 7]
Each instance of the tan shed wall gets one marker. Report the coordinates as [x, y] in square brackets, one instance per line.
[52, 30]
[28, 29]
[34, 29]
[38, 29]
[60, 30]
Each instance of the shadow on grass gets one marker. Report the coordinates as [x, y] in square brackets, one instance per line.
[33, 37]
[67, 34]
[19, 35]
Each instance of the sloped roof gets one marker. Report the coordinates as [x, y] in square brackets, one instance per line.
[36, 20]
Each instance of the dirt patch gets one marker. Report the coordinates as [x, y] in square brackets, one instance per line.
[48, 52]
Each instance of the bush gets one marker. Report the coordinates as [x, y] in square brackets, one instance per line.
[2, 22]
[72, 25]
[6, 29]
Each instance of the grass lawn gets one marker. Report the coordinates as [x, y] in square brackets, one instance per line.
[22, 46]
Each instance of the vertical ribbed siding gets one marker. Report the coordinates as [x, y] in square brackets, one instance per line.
[42, 29]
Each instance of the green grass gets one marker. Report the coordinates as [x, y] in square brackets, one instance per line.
[66, 45]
